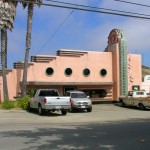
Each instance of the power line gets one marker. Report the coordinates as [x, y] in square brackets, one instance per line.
[97, 8]
[133, 3]
[55, 31]
[88, 10]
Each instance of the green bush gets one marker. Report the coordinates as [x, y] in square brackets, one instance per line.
[7, 104]
[23, 102]
[0, 105]
[31, 92]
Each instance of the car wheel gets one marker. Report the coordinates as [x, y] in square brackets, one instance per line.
[40, 110]
[122, 104]
[63, 112]
[142, 107]
[89, 109]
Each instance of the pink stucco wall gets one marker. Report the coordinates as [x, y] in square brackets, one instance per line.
[95, 61]
[92, 60]
[114, 49]
[135, 71]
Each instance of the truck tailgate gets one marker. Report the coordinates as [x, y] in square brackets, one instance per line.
[60, 101]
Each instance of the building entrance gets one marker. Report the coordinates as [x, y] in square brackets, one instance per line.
[95, 93]
[69, 88]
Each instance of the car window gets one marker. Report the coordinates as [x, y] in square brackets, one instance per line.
[53, 93]
[140, 93]
[42, 93]
[48, 93]
[130, 93]
[78, 95]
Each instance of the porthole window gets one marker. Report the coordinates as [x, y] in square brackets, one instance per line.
[86, 72]
[68, 72]
[103, 72]
[49, 71]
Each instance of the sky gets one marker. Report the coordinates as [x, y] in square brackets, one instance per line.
[81, 31]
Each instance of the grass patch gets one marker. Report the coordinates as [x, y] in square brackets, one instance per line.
[20, 103]
[7, 104]
[0, 105]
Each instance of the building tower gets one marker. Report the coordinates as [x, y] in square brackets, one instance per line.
[117, 44]
[123, 64]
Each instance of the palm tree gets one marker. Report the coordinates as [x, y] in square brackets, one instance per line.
[7, 15]
[28, 42]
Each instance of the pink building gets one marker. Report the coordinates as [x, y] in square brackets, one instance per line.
[102, 75]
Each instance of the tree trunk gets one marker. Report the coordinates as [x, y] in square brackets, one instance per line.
[28, 44]
[3, 62]
[6, 50]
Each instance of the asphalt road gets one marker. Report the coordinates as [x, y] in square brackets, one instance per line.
[108, 127]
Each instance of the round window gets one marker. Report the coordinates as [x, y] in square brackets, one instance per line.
[103, 72]
[86, 72]
[68, 72]
[49, 71]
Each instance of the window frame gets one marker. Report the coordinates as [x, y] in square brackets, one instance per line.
[86, 75]
[100, 72]
[51, 73]
[68, 75]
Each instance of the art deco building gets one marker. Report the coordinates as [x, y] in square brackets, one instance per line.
[102, 75]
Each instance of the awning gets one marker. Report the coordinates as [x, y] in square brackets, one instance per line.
[69, 83]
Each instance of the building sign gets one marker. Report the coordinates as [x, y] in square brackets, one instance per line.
[135, 87]
[147, 78]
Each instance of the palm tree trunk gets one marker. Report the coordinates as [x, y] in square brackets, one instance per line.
[28, 44]
[6, 50]
[3, 62]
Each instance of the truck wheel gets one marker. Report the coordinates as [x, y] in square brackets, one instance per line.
[63, 112]
[89, 109]
[142, 107]
[122, 104]
[40, 110]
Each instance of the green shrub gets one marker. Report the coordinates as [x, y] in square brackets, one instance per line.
[0, 105]
[31, 92]
[23, 102]
[7, 104]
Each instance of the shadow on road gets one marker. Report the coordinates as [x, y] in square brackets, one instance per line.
[131, 107]
[115, 136]
[55, 113]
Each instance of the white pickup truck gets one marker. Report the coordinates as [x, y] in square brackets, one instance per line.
[49, 99]
[135, 98]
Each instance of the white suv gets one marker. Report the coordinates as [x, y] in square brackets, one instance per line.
[79, 101]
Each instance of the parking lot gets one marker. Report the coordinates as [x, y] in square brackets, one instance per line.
[22, 130]
[101, 113]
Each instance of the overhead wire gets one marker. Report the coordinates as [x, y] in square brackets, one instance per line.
[97, 8]
[55, 32]
[88, 10]
[77, 5]
[122, 1]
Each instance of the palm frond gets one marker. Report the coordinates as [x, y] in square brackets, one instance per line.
[25, 4]
[7, 13]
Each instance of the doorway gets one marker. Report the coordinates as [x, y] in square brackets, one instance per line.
[69, 88]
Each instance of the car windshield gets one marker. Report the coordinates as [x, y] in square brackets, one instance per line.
[78, 95]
